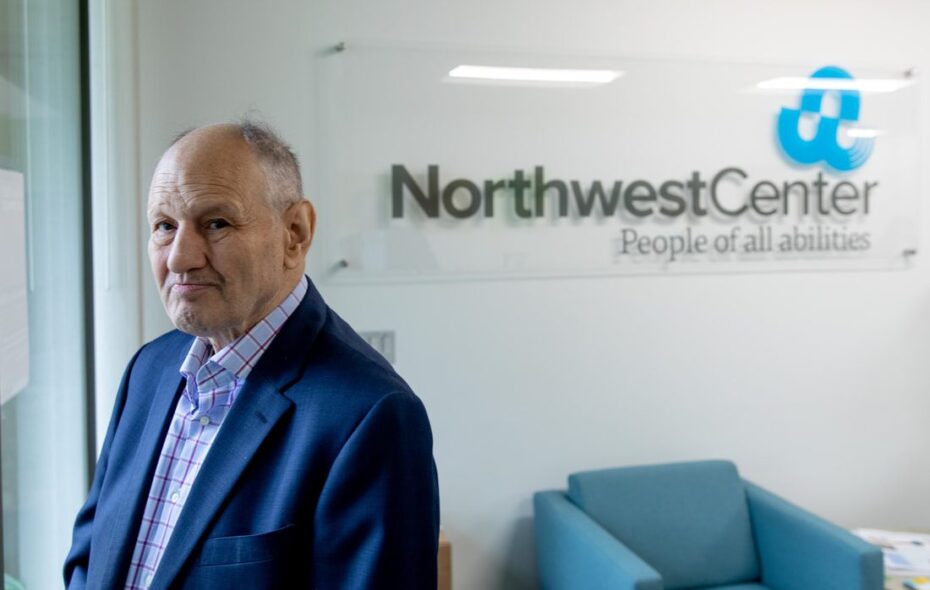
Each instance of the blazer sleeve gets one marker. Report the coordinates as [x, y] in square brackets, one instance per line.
[75, 569]
[377, 520]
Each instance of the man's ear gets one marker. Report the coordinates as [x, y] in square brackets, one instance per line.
[300, 227]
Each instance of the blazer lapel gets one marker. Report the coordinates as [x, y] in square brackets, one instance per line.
[122, 530]
[257, 409]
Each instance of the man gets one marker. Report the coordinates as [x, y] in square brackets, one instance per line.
[263, 444]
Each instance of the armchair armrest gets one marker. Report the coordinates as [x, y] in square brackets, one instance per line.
[800, 551]
[573, 551]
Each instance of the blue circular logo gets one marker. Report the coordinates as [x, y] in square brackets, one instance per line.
[824, 146]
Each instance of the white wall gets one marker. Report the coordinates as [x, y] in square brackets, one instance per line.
[816, 384]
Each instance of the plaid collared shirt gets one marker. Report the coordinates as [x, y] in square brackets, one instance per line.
[210, 390]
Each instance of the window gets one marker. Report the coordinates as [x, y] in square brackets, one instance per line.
[44, 435]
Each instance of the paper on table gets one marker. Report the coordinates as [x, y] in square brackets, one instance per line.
[905, 553]
[14, 320]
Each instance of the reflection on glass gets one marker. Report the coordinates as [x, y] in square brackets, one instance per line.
[875, 85]
[556, 76]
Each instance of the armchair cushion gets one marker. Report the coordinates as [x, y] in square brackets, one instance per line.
[689, 521]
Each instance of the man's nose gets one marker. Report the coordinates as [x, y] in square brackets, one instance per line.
[188, 250]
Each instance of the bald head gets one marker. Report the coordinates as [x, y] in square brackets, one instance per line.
[279, 166]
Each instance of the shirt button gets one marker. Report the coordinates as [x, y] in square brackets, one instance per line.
[204, 420]
[175, 497]
[148, 580]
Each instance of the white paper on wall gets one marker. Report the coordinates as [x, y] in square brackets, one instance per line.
[14, 319]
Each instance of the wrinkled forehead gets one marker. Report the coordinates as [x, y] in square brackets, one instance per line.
[192, 171]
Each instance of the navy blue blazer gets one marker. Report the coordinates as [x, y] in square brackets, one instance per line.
[321, 476]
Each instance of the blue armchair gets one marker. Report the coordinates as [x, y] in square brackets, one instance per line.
[690, 525]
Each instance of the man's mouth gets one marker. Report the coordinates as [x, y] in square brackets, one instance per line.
[190, 288]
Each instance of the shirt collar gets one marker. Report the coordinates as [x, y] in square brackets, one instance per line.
[237, 359]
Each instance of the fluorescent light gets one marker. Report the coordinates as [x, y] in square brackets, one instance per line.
[856, 132]
[861, 84]
[534, 75]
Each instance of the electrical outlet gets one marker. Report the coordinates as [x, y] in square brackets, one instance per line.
[383, 342]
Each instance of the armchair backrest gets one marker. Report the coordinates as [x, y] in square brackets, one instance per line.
[689, 521]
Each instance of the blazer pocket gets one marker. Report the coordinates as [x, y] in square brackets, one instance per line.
[247, 548]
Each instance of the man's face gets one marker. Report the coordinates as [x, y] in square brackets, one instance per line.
[215, 245]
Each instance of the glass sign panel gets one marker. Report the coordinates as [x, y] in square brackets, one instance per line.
[455, 164]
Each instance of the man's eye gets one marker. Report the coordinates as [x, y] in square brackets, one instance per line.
[217, 224]
[163, 226]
